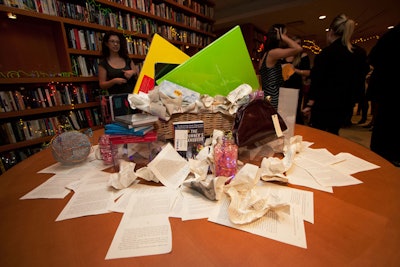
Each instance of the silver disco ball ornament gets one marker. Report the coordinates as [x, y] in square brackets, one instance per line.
[70, 147]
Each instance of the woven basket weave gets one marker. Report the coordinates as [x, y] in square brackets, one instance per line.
[219, 121]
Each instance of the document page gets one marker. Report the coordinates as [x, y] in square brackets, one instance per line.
[285, 225]
[297, 197]
[350, 164]
[169, 167]
[91, 198]
[195, 205]
[55, 187]
[122, 197]
[300, 176]
[326, 175]
[144, 228]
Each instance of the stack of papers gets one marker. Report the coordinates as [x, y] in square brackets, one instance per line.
[145, 228]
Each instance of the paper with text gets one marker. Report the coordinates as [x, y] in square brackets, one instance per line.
[91, 198]
[285, 225]
[55, 187]
[169, 167]
[144, 228]
[350, 164]
[195, 205]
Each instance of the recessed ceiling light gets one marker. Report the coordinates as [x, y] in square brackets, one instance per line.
[327, 29]
[322, 17]
[390, 27]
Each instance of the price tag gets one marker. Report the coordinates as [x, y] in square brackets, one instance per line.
[277, 126]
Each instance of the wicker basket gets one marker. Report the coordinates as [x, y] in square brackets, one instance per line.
[211, 121]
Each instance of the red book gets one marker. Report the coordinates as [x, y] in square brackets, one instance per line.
[126, 139]
[89, 117]
[77, 42]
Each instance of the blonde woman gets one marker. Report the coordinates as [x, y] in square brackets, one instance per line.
[334, 78]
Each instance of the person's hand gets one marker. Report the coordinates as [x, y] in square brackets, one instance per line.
[306, 111]
[128, 73]
[120, 80]
[280, 33]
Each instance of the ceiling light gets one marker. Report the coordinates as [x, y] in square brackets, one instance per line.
[322, 17]
[327, 29]
[390, 27]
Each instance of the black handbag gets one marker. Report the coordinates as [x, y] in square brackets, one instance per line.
[254, 122]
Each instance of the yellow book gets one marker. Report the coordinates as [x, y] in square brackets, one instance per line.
[160, 50]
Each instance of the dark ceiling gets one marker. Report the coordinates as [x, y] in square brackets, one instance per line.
[301, 16]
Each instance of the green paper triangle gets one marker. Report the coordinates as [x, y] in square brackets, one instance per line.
[218, 68]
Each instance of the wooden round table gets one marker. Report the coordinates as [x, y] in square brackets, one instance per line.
[355, 226]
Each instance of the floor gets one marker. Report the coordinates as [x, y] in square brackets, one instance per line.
[358, 133]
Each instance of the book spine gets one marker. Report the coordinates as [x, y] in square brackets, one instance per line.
[12, 100]
[82, 39]
[42, 100]
[20, 100]
[89, 117]
[5, 103]
[48, 97]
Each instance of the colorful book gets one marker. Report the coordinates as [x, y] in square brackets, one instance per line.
[137, 119]
[160, 50]
[188, 138]
[215, 63]
[126, 139]
[113, 128]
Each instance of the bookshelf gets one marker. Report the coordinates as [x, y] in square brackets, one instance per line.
[55, 44]
[253, 37]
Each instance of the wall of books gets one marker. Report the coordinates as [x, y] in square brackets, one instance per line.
[50, 51]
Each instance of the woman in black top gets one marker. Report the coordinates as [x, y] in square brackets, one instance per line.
[117, 72]
[334, 78]
[277, 46]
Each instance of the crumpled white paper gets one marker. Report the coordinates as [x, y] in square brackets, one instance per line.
[211, 187]
[168, 98]
[146, 174]
[274, 169]
[125, 177]
[246, 205]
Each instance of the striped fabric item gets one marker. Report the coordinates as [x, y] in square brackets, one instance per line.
[272, 80]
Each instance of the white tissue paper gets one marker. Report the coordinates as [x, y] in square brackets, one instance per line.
[125, 177]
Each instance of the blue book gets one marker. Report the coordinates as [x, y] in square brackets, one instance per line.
[114, 128]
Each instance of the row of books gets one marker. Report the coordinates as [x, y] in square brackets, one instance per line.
[89, 13]
[167, 12]
[147, 6]
[171, 33]
[86, 13]
[43, 97]
[198, 7]
[18, 131]
[84, 39]
[85, 66]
